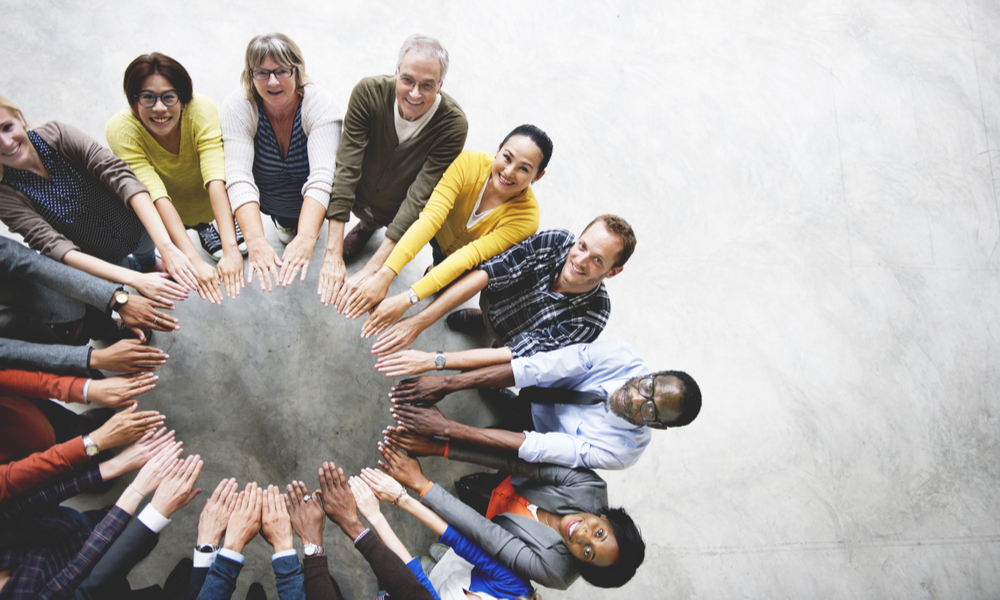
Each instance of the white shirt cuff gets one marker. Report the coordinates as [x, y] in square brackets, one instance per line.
[523, 374]
[150, 517]
[203, 560]
[231, 555]
[283, 553]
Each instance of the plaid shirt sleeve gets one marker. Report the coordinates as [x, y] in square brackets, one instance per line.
[65, 582]
[580, 325]
[511, 266]
[28, 505]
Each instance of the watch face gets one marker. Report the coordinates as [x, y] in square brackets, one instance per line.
[439, 360]
[91, 450]
[121, 297]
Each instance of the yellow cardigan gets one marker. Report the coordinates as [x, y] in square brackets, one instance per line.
[179, 177]
[445, 218]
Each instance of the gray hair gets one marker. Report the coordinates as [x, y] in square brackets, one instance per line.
[282, 50]
[427, 45]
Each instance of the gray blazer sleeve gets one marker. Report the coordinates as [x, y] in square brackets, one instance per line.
[20, 262]
[541, 556]
[109, 574]
[557, 489]
[15, 354]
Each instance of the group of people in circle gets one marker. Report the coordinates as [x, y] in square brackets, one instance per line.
[395, 159]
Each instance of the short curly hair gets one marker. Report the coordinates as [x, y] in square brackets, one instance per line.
[631, 553]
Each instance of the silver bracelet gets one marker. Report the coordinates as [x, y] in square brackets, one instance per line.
[399, 496]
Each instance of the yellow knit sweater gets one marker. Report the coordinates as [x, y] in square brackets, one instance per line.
[181, 177]
[445, 218]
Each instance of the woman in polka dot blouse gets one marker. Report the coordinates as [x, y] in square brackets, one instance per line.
[76, 202]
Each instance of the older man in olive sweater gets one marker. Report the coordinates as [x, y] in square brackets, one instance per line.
[400, 135]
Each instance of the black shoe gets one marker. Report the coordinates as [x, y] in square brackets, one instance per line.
[467, 320]
[354, 242]
[210, 241]
[176, 585]
[240, 242]
[256, 592]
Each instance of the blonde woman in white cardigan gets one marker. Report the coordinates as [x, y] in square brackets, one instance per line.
[280, 134]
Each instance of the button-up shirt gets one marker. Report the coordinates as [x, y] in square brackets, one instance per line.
[582, 435]
[523, 310]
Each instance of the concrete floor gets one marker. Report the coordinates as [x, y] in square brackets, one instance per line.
[814, 192]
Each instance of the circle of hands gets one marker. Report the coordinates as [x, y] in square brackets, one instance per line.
[232, 518]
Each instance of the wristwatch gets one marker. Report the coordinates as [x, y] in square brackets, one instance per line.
[413, 296]
[206, 548]
[118, 299]
[312, 550]
[439, 360]
[89, 446]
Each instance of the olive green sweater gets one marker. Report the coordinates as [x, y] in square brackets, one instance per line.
[374, 171]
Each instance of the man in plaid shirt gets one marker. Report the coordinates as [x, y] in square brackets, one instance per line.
[543, 294]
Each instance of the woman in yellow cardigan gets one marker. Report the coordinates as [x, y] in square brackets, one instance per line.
[172, 140]
[482, 206]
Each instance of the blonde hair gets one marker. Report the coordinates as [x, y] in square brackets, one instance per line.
[282, 50]
[12, 108]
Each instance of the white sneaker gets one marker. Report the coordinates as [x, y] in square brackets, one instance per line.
[284, 234]
[241, 244]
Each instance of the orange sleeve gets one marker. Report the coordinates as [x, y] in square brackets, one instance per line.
[24, 474]
[34, 384]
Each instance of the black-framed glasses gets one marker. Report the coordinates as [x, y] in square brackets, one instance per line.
[148, 99]
[279, 73]
[647, 410]
[408, 82]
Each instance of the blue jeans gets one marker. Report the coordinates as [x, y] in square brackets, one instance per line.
[143, 258]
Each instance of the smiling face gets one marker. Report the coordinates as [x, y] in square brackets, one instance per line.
[276, 93]
[161, 121]
[590, 261]
[516, 166]
[589, 538]
[668, 395]
[16, 150]
[417, 70]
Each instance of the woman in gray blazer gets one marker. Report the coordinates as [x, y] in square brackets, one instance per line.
[575, 533]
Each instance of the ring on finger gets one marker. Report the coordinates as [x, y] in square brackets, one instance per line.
[155, 319]
[306, 498]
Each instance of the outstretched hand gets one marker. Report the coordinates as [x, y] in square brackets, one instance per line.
[415, 445]
[218, 508]
[244, 523]
[275, 524]
[365, 499]
[421, 421]
[338, 501]
[306, 513]
[401, 335]
[402, 468]
[420, 390]
[177, 488]
[384, 487]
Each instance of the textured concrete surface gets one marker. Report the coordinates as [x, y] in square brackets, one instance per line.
[815, 194]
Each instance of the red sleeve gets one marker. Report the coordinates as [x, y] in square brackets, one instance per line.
[33, 384]
[24, 474]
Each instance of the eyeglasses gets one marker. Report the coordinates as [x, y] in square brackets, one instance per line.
[148, 99]
[264, 74]
[426, 87]
[647, 410]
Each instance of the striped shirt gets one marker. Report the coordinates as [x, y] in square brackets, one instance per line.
[78, 206]
[61, 550]
[280, 179]
[523, 310]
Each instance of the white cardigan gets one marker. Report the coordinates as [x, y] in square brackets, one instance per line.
[322, 123]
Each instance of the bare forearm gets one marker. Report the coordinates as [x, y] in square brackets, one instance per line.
[479, 358]
[492, 439]
[423, 514]
[389, 538]
[311, 218]
[223, 213]
[175, 228]
[335, 237]
[248, 216]
[142, 204]
[380, 256]
[99, 268]
[497, 376]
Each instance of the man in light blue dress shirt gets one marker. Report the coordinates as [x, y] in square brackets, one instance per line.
[610, 433]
